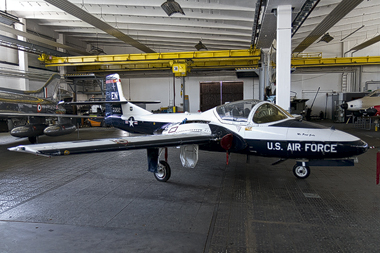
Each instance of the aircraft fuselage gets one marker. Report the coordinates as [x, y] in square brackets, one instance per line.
[13, 102]
[283, 138]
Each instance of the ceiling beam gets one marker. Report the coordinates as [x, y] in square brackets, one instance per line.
[341, 10]
[94, 21]
[42, 40]
[365, 44]
[32, 48]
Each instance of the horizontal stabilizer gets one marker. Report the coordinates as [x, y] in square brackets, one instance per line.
[104, 145]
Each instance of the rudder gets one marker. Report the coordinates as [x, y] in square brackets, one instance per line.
[114, 94]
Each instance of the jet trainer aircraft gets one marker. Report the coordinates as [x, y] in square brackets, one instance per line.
[369, 105]
[249, 127]
[15, 104]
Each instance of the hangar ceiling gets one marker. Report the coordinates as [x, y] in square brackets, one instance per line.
[219, 24]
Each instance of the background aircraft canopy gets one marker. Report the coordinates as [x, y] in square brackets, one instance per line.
[374, 94]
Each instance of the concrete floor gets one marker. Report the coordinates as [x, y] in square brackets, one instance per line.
[109, 203]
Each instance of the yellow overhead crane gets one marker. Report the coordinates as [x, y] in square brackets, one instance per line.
[307, 60]
[179, 62]
[182, 62]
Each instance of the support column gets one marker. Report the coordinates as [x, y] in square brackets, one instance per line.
[22, 56]
[264, 74]
[283, 55]
[261, 82]
[183, 94]
[174, 91]
[62, 70]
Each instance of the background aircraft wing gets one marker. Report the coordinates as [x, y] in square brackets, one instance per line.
[47, 115]
[104, 145]
[108, 102]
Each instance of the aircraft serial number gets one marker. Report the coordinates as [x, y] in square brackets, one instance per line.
[116, 109]
[308, 147]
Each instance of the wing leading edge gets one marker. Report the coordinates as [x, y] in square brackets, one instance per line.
[47, 115]
[105, 145]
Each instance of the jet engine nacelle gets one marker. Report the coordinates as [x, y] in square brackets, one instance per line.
[373, 111]
[32, 130]
[59, 129]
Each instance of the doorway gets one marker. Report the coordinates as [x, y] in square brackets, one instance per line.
[217, 93]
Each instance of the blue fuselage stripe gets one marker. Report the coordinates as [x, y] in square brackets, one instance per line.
[138, 127]
[302, 149]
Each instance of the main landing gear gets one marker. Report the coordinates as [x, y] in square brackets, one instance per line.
[33, 139]
[163, 171]
[160, 168]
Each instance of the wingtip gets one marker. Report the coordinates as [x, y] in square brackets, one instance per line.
[17, 149]
[24, 149]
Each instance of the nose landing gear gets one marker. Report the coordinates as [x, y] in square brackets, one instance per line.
[301, 171]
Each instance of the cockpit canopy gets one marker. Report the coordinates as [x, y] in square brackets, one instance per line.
[374, 94]
[240, 111]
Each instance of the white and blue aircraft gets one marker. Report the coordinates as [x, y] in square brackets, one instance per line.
[250, 127]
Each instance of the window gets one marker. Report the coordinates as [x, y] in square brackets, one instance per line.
[236, 111]
[268, 113]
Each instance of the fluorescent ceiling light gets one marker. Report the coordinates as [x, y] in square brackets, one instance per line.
[200, 46]
[326, 38]
[96, 51]
[171, 7]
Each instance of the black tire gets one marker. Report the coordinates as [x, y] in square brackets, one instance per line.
[301, 172]
[163, 171]
[33, 139]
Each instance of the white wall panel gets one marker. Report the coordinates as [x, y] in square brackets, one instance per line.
[162, 89]
[306, 86]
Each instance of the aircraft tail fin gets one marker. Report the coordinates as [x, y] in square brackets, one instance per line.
[119, 106]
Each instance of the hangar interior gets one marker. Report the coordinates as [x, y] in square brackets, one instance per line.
[219, 25]
[205, 53]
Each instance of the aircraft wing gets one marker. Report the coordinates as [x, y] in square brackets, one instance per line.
[48, 115]
[104, 145]
[108, 102]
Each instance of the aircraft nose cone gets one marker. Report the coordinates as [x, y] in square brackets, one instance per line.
[362, 147]
[344, 106]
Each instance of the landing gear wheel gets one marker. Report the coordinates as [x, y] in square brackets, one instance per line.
[163, 171]
[33, 139]
[300, 171]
